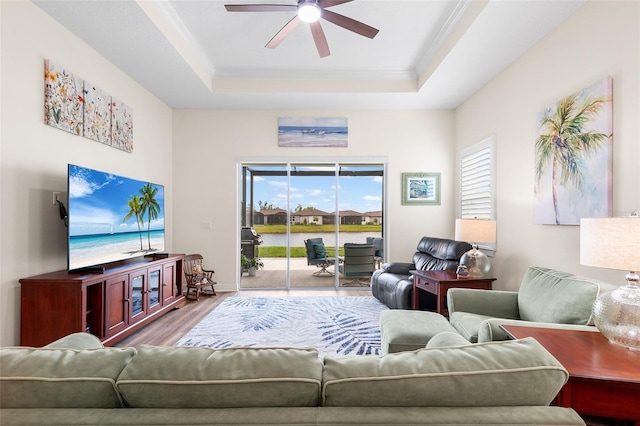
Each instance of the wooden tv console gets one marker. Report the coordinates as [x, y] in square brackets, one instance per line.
[110, 305]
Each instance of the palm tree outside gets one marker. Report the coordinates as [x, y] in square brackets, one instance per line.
[136, 209]
[150, 206]
[564, 143]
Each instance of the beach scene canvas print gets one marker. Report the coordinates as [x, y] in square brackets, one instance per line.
[313, 132]
[112, 217]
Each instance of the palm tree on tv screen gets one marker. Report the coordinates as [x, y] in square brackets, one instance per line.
[150, 205]
[136, 209]
[564, 142]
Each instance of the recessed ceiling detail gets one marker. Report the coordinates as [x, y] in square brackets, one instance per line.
[428, 54]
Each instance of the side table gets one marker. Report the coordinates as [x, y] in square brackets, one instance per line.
[439, 282]
[604, 379]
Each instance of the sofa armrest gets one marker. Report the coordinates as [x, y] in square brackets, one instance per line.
[490, 329]
[494, 303]
[76, 341]
[401, 268]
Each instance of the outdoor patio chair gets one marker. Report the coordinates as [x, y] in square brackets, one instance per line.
[317, 256]
[359, 263]
[379, 245]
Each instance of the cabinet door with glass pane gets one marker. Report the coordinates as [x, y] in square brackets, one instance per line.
[154, 289]
[138, 292]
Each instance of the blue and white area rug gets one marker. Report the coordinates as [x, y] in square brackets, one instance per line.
[333, 325]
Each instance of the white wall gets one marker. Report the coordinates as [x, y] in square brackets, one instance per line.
[209, 143]
[34, 156]
[601, 39]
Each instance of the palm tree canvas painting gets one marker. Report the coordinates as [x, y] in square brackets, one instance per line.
[573, 157]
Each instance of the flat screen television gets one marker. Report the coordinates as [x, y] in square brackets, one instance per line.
[112, 218]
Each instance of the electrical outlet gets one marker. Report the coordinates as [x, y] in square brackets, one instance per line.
[56, 198]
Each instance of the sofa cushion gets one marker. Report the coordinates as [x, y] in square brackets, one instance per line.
[194, 377]
[320, 251]
[61, 378]
[408, 330]
[548, 295]
[510, 373]
[468, 324]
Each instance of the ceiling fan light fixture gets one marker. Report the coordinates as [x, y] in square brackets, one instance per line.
[309, 11]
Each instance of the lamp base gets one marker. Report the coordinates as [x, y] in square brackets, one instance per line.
[617, 314]
[477, 263]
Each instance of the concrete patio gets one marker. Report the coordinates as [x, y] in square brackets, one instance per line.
[274, 276]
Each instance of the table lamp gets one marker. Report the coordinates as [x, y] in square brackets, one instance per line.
[476, 231]
[614, 243]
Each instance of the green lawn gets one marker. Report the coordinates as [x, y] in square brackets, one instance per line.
[281, 251]
[295, 229]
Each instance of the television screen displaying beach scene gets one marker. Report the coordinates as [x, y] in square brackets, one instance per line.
[112, 218]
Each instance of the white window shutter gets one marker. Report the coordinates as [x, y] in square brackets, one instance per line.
[477, 184]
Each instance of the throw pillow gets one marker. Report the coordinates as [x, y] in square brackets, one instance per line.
[320, 250]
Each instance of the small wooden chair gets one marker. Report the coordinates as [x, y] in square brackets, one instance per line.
[197, 277]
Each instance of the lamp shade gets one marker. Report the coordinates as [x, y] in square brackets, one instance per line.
[476, 230]
[614, 243]
[610, 242]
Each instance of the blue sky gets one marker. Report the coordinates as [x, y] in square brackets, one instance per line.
[359, 193]
[98, 202]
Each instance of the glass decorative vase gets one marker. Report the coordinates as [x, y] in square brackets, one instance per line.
[477, 263]
[617, 314]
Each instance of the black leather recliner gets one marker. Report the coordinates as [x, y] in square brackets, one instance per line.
[393, 284]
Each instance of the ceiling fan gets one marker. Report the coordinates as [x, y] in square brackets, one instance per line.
[308, 11]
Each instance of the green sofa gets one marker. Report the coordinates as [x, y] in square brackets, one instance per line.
[76, 381]
[546, 298]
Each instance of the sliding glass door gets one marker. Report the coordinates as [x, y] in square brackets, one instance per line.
[296, 216]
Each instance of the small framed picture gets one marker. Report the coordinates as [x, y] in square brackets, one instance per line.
[421, 188]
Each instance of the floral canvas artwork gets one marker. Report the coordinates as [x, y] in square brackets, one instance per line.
[573, 157]
[79, 107]
[121, 126]
[97, 114]
[63, 100]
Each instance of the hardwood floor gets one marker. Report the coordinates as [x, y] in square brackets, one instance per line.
[169, 328]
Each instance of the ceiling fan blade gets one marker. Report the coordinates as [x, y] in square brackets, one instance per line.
[283, 33]
[349, 24]
[329, 3]
[260, 7]
[320, 39]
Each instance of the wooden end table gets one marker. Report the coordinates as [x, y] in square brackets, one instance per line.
[604, 378]
[439, 282]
